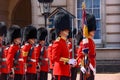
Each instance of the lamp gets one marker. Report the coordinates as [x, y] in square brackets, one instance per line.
[45, 6]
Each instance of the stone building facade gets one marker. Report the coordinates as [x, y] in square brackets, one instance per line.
[25, 12]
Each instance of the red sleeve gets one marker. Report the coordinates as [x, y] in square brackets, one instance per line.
[56, 50]
[49, 51]
[11, 53]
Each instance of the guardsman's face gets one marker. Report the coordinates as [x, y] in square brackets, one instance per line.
[17, 40]
[42, 42]
[0, 39]
[64, 33]
[92, 33]
[31, 41]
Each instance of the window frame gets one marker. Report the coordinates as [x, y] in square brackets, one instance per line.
[97, 41]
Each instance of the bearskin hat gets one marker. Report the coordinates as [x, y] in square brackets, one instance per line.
[3, 29]
[52, 35]
[91, 22]
[41, 33]
[13, 32]
[30, 32]
[62, 22]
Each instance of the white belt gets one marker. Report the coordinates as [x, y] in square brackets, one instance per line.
[70, 50]
[4, 59]
[21, 59]
[33, 60]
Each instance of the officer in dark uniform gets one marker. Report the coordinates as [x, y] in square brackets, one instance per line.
[30, 34]
[60, 51]
[14, 38]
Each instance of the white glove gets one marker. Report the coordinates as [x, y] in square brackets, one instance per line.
[83, 69]
[92, 68]
[72, 61]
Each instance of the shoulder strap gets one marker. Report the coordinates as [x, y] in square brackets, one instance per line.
[17, 55]
[30, 51]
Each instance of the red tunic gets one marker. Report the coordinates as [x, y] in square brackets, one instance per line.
[49, 51]
[44, 61]
[11, 53]
[4, 65]
[70, 50]
[31, 65]
[60, 49]
[91, 54]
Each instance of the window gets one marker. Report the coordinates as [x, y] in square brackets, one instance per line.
[92, 6]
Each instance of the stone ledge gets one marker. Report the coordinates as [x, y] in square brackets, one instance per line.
[109, 48]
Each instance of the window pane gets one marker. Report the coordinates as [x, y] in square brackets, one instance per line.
[79, 13]
[92, 6]
[89, 10]
[97, 34]
[96, 3]
[79, 24]
[88, 3]
[51, 23]
[98, 30]
[98, 24]
[96, 12]
[79, 3]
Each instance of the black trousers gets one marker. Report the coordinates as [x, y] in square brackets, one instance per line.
[43, 75]
[30, 76]
[4, 76]
[19, 77]
[73, 73]
[61, 78]
[91, 77]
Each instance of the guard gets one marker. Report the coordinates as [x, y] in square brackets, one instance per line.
[60, 51]
[41, 54]
[30, 34]
[14, 38]
[52, 37]
[86, 52]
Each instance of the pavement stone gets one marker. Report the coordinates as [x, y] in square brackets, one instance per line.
[103, 76]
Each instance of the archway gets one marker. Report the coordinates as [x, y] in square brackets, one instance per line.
[21, 14]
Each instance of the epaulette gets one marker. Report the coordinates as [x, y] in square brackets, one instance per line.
[22, 46]
[26, 43]
[69, 42]
[11, 45]
[50, 44]
[36, 45]
[58, 39]
[85, 41]
[6, 48]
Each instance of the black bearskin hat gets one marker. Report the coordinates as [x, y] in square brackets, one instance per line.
[13, 32]
[52, 35]
[3, 29]
[30, 32]
[62, 22]
[91, 22]
[41, 34]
